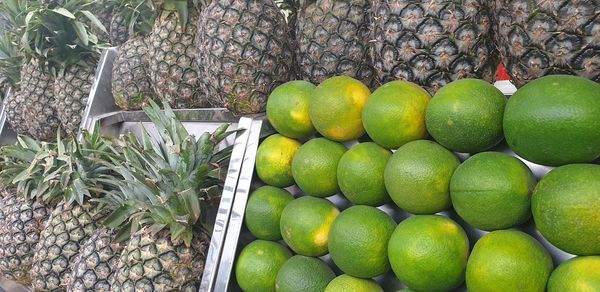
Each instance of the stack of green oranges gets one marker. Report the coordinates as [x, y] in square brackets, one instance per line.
[400, 146]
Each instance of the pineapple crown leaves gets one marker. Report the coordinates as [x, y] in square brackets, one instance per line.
[138, 14]
[167, 182]
[182, 8]
[10, 62]
[59, 36]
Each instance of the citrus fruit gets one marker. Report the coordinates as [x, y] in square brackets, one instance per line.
[274, 160]
[314, 167]
[417, 177]
[580, 274]
[305, 274]
[360, 174]
[429, 253]
[263, 211]
[287, 109]
[492, 190]
[358, 241]
[554, 120]
[395, 114]
[305, 225]
[466, 115]
[345, 283]
[508, 260]
[336, 106]
[565, 206]
[258, 264]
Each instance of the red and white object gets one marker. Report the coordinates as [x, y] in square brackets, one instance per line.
[503, 81]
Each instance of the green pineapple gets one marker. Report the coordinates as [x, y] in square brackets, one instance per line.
[433, 42]
[333, 39]
[161, 204]
[244, 52]
[538, 38]
[130, 82]
[130, 19]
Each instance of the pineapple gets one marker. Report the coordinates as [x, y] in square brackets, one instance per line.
[161, 203]
[244, 52]
[538, 38]
[171, 54]
[333, 39]
[71, 91]
[10, 63]
[432, 42]
[131, 85]
[130, 19]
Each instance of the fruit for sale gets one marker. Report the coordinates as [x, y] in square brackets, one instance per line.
[315, 165]
[345, 283]
[577, 274]
[258, 264]
[466, 115]
[433, 43]
[306, 274]
[360, 174]
[306, 223]
[565, 207]
[172, 53]
[554, 120]
[131, 87]
[71, 91]
[336, 108]
[130, 18]
[263, 211]
[395, 114]
[244, 52]
[333, 39]
[274, 160]
[417, 177]
[168, 245]
[358, 241]
[538, 38]
[429, 253]
[492, 190]
[508, 260]
[287, 109]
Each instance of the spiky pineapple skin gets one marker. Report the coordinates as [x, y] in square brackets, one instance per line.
[37, 104]
[433, 42]
[95, 263]
[60, 242]
[14, 105]
[130, 79]
[118, 31]
[333, 39]
[244, 53]
[171, 63]
[538, 38]
[71, 91]
[155, 263]
[19, 236]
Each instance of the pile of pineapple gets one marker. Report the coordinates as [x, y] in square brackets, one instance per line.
[105, 214]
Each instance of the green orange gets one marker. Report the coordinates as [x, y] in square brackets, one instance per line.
[274, 160]
[305, 225]
[258, 264]
[395, 114]
[314, 167]
[345, 283]
[580, 274]
[417, 177]
[466, 115]
[287, 109]
[360, 174]
[336, 108]
[429, 253]
[306, 274]
[508, 260]
[358, 241]
[263, 211]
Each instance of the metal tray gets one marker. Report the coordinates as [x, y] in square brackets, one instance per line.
[239, 237]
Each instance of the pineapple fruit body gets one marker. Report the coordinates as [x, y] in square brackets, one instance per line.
[118, 31]
[71, 91]
[433, 42]
[95, 263]
[60, 243]
[333, 39]
[171, 60]
[155, 263]
[19, 236]
[538, 38]
[244, 53]
[130, 82]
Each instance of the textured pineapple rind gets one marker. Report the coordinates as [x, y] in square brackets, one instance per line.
[130, 81]
[71, 91]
